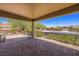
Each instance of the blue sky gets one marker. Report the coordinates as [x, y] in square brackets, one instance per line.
[3, 20]
[66, 20]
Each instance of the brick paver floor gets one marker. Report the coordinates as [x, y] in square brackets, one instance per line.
[27, 46]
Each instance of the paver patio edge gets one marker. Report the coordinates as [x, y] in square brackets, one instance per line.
[60, 43]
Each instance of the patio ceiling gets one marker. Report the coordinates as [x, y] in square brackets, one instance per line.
[33, 11]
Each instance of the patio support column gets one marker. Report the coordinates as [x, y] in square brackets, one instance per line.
[32, 28]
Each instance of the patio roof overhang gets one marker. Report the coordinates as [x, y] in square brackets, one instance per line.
[36, 12]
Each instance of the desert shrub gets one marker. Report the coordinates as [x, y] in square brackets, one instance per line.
[71, 39]
[39, 34]
[76, 42]
[29, 32]
[13, 30]
[50, 36]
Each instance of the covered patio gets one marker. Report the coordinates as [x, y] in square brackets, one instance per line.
[35, 12]
[27, 46]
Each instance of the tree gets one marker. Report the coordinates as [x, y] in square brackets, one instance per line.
[24, 26]
[19, 25]
[39, 26]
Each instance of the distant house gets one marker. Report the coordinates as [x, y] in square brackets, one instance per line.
[50, 28]
[65, 29]
[5, 27]
[57, 29]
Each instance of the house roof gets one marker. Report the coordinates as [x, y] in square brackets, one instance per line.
[5, 25]
[36, 11]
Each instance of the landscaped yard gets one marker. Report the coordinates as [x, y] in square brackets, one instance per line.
[27, 46]
[65, 38]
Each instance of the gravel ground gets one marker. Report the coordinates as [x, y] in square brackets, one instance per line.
[27, 46]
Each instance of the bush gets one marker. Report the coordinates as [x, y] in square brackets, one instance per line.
[51, 36]
[13, 30]
[76, 42]
[39, 34]
[71, 39]
[29, 32]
